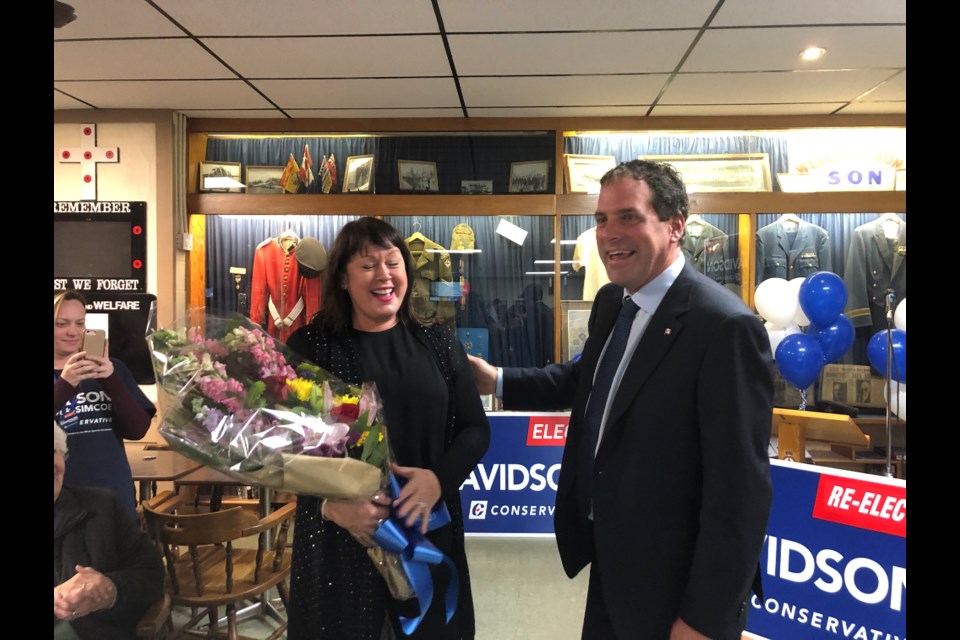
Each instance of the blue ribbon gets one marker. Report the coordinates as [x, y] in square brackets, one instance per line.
[416, 554]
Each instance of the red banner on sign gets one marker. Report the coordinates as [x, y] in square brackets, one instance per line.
[547, 431]
[861, 503]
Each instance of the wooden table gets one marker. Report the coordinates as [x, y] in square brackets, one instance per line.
[149, 466]
[212, 478]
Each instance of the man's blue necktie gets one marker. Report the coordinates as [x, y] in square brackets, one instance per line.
[602, 383]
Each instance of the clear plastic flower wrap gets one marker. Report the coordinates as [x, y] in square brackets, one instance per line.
[236, 399]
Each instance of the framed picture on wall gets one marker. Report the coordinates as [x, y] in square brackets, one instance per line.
[721, 171]
[417, 175]
[583, 173]
[476, 187]
[220, 176]
[529, 177]
[263, 179]
[358, 174]
[573, 327]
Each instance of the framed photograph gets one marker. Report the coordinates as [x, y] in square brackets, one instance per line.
[262, 179]
[573, 327]
[476, 187]
[358, 174]
[529, 177]
[220, 176]
[721, 172]
[418, 175]
[582, 173]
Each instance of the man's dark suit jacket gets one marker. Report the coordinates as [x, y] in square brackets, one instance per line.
[681, 479]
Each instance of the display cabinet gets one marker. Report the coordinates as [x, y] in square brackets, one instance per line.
[748, 177]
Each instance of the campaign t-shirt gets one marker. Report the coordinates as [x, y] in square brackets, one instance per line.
[96, 454]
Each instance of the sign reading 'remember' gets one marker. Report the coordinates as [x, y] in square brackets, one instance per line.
[100, 246]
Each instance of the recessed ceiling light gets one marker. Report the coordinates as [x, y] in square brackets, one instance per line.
[812, 53]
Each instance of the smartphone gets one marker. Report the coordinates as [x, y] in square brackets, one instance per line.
[94, 342]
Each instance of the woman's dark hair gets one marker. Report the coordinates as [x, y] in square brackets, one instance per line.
[669, 192]
[62, 296]
[336, 313]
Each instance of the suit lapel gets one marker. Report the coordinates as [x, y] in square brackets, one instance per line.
[660, 335]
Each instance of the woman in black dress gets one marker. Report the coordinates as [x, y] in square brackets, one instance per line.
[438, 433]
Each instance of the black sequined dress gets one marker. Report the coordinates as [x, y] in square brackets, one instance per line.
[435, 421]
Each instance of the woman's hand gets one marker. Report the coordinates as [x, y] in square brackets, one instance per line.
[87, 591]
[361, 519]
[418, 495]
[83, 366]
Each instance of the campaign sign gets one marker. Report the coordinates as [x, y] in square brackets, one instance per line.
[514, 487]
[834, 561]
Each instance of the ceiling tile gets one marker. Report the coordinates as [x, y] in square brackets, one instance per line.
[232, 113]
[847, 48]
[134, 60]
[302, 17]
[809, 109]
[555, 112]
[770, 88]
[894, 88]
[549, 15]
[451, 112]
[160, 94]
[764, 12]
[361, 94]
[115, 19]
[333, 57]
[876, 107]
[566, 53]
[63, 101]
[570, 91]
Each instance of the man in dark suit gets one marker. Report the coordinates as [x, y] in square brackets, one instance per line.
[670, 506]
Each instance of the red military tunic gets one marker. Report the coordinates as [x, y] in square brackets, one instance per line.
[280, 298]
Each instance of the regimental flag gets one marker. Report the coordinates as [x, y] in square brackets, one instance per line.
[290, 179]
[330, 174]
[306, 167]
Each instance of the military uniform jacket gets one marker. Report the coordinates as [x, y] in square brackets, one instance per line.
[429, 268]
[782, 254]
[874, 265]
[277, 280]
[709, 253]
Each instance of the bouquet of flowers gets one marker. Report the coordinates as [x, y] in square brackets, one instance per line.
[238, 400]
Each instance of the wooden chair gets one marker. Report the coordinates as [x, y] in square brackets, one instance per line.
[214, 570]
[156, 623]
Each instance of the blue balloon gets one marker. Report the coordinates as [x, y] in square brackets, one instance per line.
[877, 354]
[800, 359]
[835, 338]
[823, 295]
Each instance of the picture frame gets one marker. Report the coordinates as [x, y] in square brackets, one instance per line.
[418, 175]
[219, 170]
[264, 179]
[476, 187]
[529, 177]
[721, 172]
[573, 327]
[358, 174]
[582, 173]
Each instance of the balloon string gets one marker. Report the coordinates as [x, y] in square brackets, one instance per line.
[803, 399]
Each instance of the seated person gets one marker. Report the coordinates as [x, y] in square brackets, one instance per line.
[106, 570]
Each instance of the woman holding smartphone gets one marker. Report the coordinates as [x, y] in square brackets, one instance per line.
[97, 402]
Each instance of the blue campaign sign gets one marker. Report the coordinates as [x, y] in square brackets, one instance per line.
[513, 489]
[834, 561]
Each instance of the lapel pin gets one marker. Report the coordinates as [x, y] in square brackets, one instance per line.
[666, 331]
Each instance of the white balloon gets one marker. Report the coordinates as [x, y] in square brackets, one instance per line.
[900, 316]
[800, 318]
[776, 302]
[777, 334]
[898, 392]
